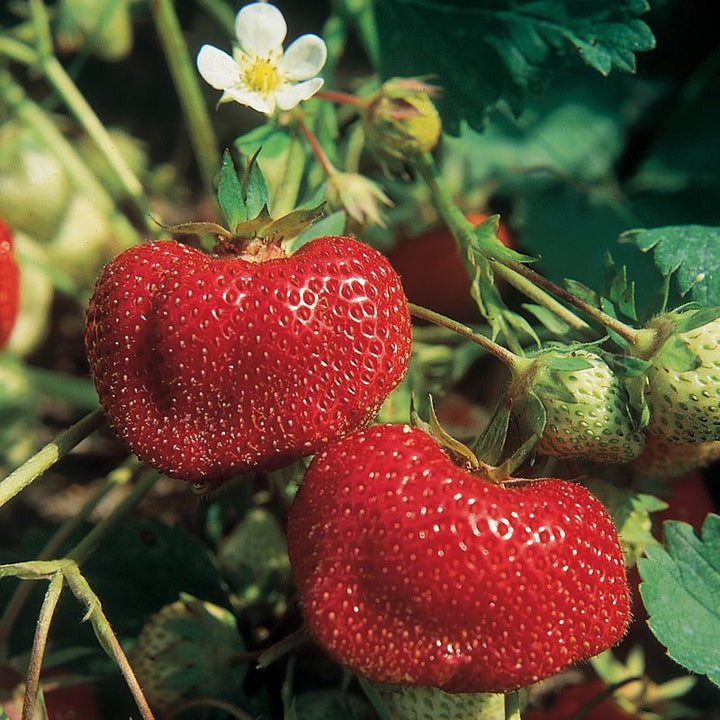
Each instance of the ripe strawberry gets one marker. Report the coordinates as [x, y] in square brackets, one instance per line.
[576, 697]
[433, 273]
[413, 571]
[9, 285]
[211, 365]
[588, 413]
[66, 696]
[683, 380]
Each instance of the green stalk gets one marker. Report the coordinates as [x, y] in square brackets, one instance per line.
[516, 363]
[287, 192]
[49, 455]
[36, 118]
[105, 635]
[185, 78]
[42, 629]
[542, 289]
[119, 476]
[63, 84]
[221, 13]
[84, 549]
[512, 705]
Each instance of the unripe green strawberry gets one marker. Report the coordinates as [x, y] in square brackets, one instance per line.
[188, 649]
[401, 121]
[587, 407]
[405, 702]
[683, 380]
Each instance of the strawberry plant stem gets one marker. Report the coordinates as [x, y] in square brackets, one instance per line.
[119, 476]
[84, 549]
[513, 361]
[221, 13]
[104, 633]
[287, 192]
[462, 229]
[185, 78]
[512, 705]
[63, 84]
[320, 154]
[49, 455]
[47, 610]
[341, 98]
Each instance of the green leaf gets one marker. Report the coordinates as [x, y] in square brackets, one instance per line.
[230, 193]
[692, 252]
[680, 589]
[483, 52]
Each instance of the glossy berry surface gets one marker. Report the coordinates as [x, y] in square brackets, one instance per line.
[9, 285]
[209, 365]
[413, 571]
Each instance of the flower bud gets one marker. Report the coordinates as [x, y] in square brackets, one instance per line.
[401, 121]
[360, 197]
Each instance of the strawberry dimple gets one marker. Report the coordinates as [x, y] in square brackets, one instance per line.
[413, 571]
[209, 366]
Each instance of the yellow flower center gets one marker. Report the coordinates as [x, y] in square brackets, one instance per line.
[261, 75]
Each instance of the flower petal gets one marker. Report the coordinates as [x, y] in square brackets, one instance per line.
[263, 104]
[304, 58]
[260, 29]
[288, 96]
[217, 67]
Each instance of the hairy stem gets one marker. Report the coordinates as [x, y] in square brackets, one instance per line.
[187, 86]
[105, 635]
[49, 455]
[84, 549]
[12, 611]
[47, 610]
[462, 230]
[33, 116]
[514, 362]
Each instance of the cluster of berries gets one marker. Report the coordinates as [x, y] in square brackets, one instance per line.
[411, 570]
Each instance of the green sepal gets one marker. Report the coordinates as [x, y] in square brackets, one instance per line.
[198, 228]
[688, 320]
[490, 445]
[296, 222]
[256, 191]
[488, 244]
[230, 193]
[447, 441]
[678, 355]
[530, 416]
[622, 290]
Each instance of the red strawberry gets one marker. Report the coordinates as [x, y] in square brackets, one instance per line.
[211, 365]
[413, 571]
[576, 697]
[9, 285]
[433, 273]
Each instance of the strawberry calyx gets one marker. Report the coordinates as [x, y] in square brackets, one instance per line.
[257, 240]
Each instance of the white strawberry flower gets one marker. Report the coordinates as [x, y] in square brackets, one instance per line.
[260, 73]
